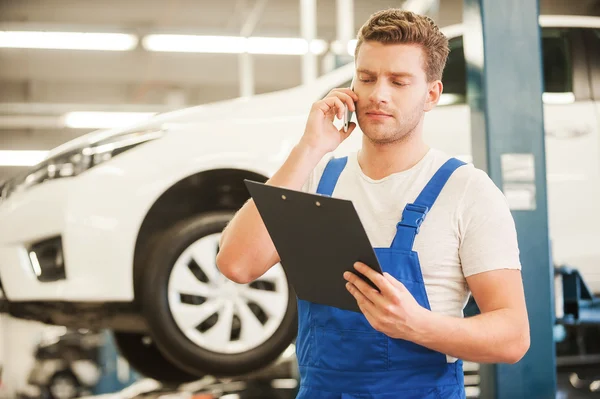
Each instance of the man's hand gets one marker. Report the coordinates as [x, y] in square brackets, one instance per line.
[392, 311]
[320, 133]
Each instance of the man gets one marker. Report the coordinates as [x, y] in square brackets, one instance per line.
[440, 229]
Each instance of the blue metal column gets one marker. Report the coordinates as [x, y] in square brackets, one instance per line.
[503, 50]
[112, 379]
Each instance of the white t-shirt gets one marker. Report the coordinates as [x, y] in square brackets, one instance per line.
[468, 230]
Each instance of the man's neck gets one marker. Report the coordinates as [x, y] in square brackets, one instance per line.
[380, 160]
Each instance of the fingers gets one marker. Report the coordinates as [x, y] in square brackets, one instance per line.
[332, 106]
[365, 289]
[364, 302]
[347, 96]
[347, 91]
[384, 285]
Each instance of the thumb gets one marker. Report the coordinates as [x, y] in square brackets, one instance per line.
[351, 127]
[395, 282]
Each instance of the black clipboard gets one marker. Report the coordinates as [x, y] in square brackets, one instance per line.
[318, 238]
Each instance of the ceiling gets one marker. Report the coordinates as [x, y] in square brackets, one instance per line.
[142, 78]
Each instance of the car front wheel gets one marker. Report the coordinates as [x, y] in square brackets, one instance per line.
[200, 320]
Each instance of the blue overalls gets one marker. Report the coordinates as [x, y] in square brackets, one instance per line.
[340, 356]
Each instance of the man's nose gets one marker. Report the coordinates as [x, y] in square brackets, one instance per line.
[380, 93]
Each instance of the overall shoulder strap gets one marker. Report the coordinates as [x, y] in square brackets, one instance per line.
[414, 214]
[434, 187]
[330, 176]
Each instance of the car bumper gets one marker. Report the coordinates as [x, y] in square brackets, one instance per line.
[93, 250]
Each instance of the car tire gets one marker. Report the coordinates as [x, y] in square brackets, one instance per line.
[177, 343]
[142, 354]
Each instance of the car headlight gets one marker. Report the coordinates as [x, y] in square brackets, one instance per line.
[75, 162]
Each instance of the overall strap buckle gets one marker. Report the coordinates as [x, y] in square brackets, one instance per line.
[413, 216]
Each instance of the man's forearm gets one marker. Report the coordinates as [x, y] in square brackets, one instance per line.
[498, 336]
[246, 250]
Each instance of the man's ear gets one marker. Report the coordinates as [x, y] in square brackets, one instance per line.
[433, 96]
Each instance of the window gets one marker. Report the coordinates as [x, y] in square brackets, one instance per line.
[593, 53]
[455, 74]
[556, 64]
[558, 74]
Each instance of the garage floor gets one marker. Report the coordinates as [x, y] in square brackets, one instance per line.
[565, 391]
[286, 389]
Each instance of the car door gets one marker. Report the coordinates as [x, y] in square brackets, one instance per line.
[572, 153]
[572, 144]
[592, 40]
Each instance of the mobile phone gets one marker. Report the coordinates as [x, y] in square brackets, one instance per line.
[348, 113]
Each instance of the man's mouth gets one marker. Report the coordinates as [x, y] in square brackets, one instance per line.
[378, 114]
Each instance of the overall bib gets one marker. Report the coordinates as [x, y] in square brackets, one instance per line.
[340, 356]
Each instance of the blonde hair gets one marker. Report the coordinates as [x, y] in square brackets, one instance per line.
[396, 26]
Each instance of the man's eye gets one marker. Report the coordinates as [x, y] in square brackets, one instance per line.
[366, 80]
[399, 84]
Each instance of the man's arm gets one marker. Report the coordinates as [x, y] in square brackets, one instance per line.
[246, 249]
[489, 256]
[500, 334]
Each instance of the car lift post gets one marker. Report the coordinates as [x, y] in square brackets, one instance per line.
[504, 73]
[115, 376]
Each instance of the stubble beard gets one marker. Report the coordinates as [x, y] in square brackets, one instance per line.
[401, 131]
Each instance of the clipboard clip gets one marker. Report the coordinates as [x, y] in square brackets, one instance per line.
[317, 203]
[283, 197]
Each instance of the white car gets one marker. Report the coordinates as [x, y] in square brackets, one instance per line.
[119, 229]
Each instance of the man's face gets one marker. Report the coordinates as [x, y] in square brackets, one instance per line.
[392, 88]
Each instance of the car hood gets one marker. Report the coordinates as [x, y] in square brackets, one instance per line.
[290, 102]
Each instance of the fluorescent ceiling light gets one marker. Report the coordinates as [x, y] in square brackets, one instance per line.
[195, 44]
[21, 158]
[68, 40]
[558, 98]
[285, 45]
[103, 120]
[337, 47]
[341, 48]
[318, 46]
[274, 45]
[231, 44]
